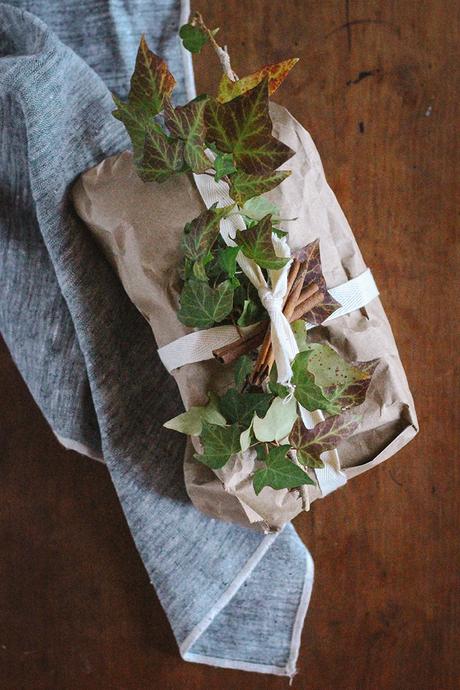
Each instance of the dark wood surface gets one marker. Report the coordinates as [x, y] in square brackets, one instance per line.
[377, 87]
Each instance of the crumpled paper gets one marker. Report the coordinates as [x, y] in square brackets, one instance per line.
[139, 225]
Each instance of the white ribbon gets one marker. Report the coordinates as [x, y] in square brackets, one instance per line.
[271, 295]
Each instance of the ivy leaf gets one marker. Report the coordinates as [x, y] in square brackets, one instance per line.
[276, 74]
[311, 254]
[243, 367]
[256, 243]
[223, 165]
[201, 305]
[151, 83]
[193, 37]
[310, 443]
[344, 384]
[219, 444]
[279, 473]
[239, 408]
[251, 313]
[300, 334]
[278, 421]
[201, 233]
[244, 187]
[227, 260]
[162, 157]
[187, 123]
[277, 388]
[258, 207]
[307, 392]
[246, 439]
[191, 422]
[243, 127]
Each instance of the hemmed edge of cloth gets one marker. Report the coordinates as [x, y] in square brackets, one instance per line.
[290, 668]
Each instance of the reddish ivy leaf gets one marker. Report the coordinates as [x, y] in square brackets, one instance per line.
[256, 243]
[201, 233]
[243, 127]
[314, 274]
[275, 74]
[151, 83]
[162, 156]
[310, 443]
[244, 187]
[187, 123]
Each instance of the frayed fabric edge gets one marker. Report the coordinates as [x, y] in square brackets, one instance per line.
[289, 669]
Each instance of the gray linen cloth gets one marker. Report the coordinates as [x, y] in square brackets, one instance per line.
[234, 598]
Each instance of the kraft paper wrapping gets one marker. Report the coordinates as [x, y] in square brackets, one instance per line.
[139, 226]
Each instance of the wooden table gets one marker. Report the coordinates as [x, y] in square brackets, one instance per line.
[377, 88]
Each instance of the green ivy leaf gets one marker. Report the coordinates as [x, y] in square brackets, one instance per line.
[202, 232]
[193, 37]
[239, 408]
[251, 314]
[187, 123]
[300, 334]
[258, 207]
[310, 443]
[201, 305]
[151, 83]
[219, 444]
[307, 392]
[162, 157]
[279, 473]
[244, 187]
[277, 388]
[223, 165]
[243, 127]
[227, 260]
[256, 243]
[243, 367]
[191, 422]
[278, 421]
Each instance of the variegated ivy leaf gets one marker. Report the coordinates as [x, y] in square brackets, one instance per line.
[219, 444]
[325, 436]
[343, 383]
[191, 422]
[307, 392]
[201, 233]
[162, 157]
[300, 334]
[151, 83]
[201, 306]
[275, 74]
[325, 381]
[243, 186]
[279, 472]
[239, 408]
[314, 274]
[187, 123]
[278, 421]
[243, 127]
[256, 243]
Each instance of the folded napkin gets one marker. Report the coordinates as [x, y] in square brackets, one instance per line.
[87, 354]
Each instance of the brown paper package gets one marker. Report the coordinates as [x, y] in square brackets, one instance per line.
[139, 226]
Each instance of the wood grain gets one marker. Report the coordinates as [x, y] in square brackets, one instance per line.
[377, 87]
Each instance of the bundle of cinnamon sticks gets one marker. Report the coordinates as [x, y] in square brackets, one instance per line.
[300, 299]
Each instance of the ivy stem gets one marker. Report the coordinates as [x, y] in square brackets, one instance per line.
[222, 53]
